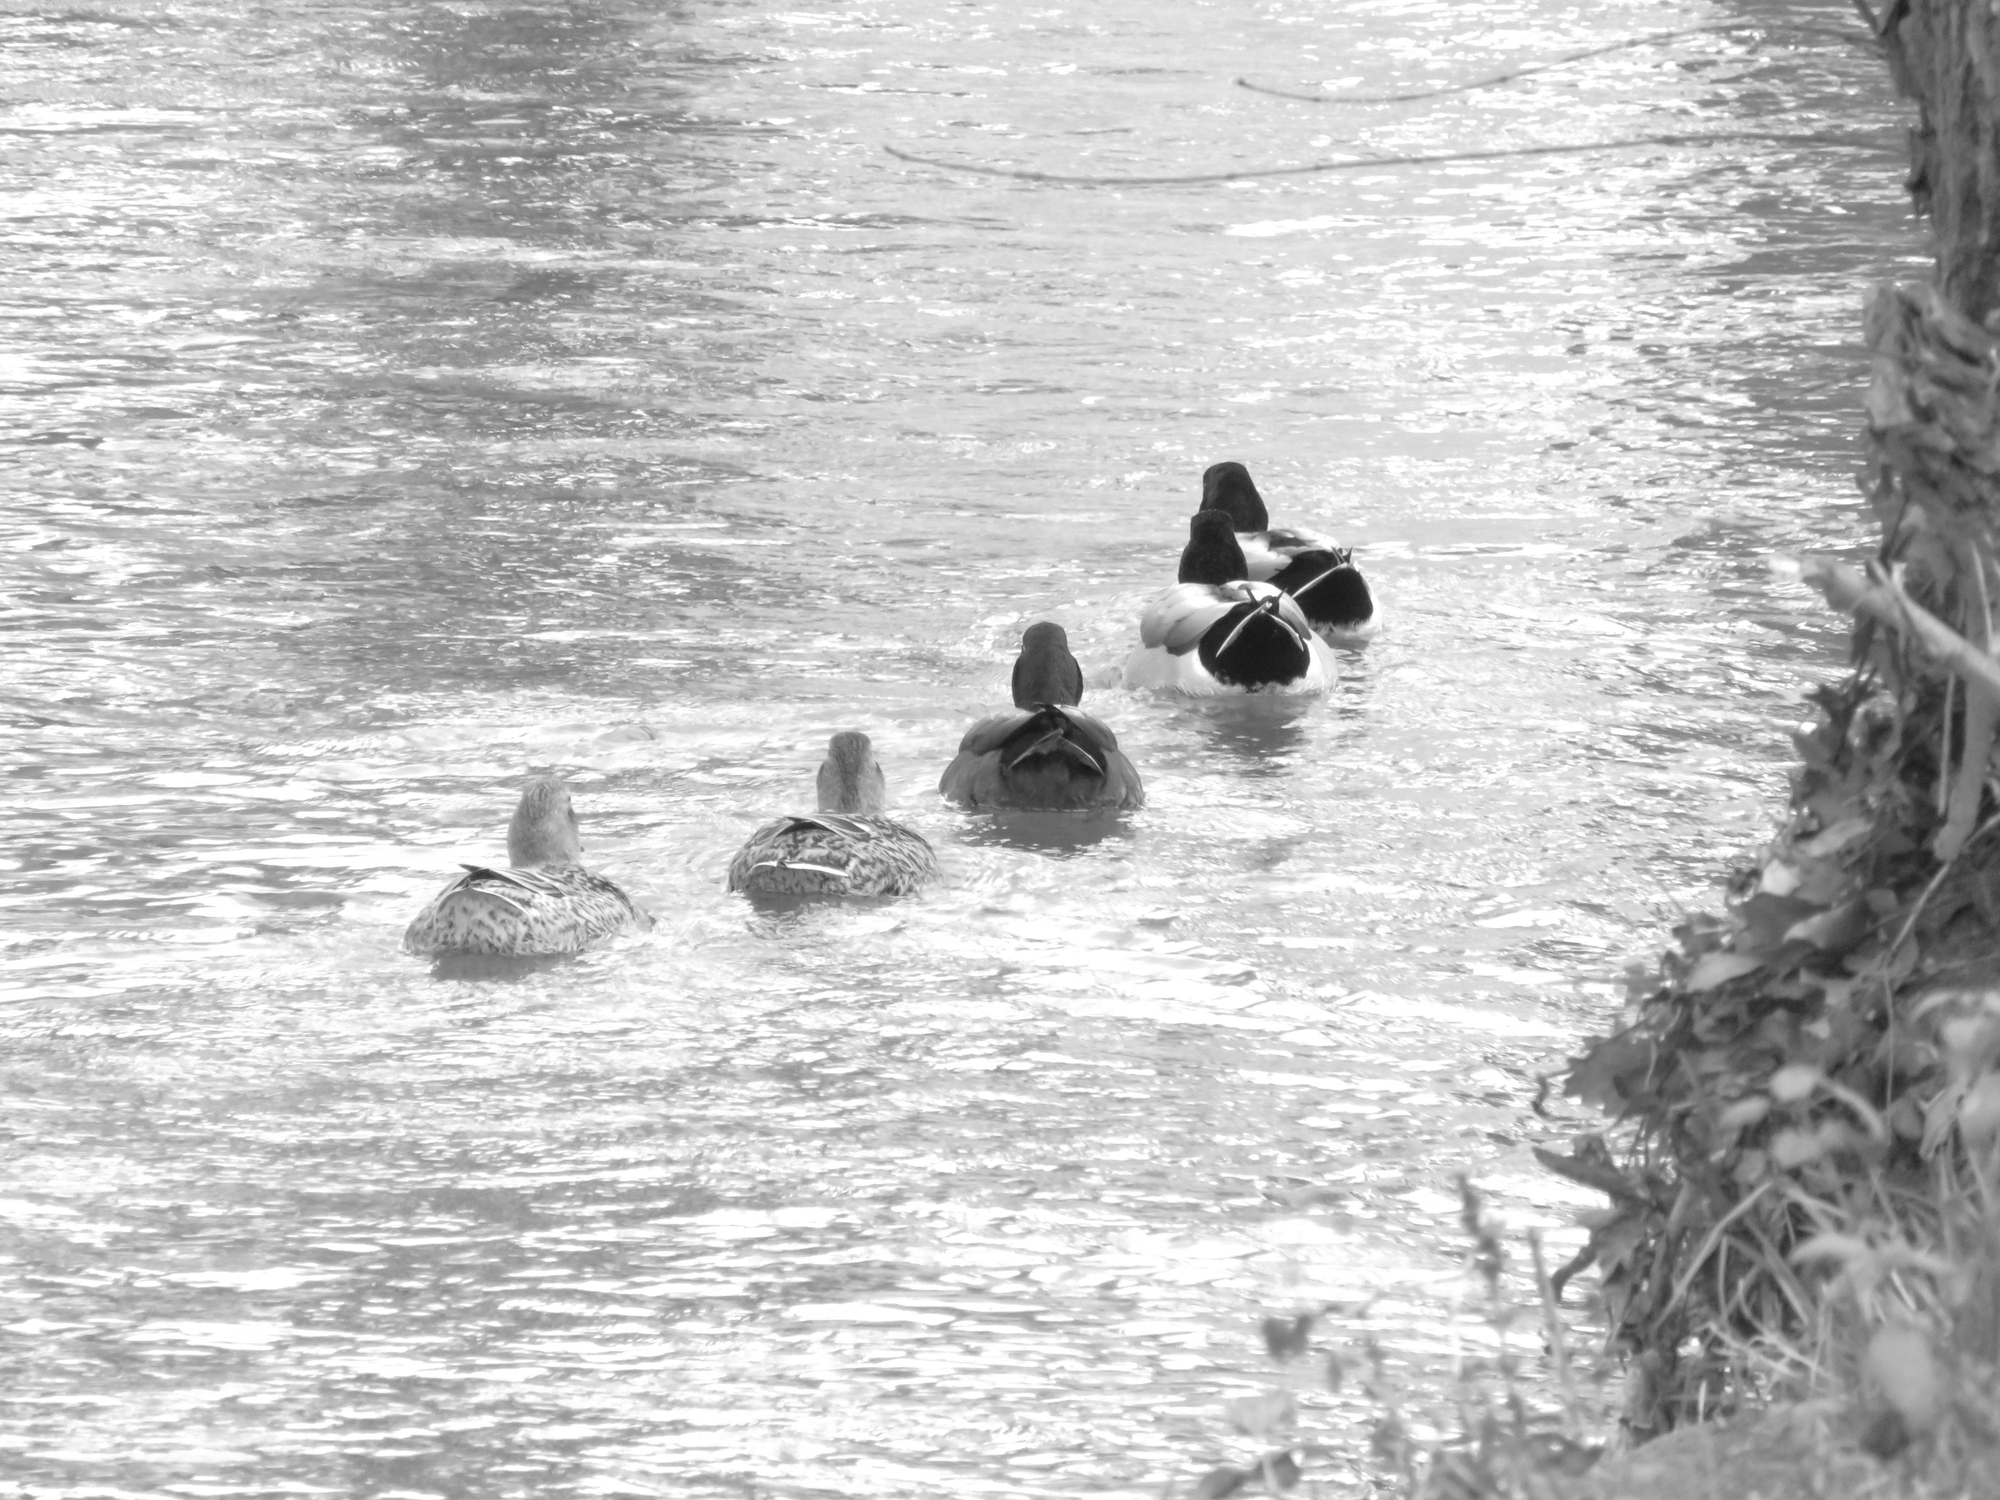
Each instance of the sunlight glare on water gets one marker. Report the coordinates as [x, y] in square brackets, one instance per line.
[399, 397]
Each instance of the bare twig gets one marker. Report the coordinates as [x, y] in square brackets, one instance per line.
[1879, 596]
[1529, 70]
[1362, 163]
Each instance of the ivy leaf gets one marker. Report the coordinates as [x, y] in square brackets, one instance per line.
[1833, 839]
[1835, 930]
[1794, 1082]
[1743, 1113]
[1719, 968]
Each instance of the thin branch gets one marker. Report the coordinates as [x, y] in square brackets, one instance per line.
[1362, 163]
[1879, 596]
[1529, 70]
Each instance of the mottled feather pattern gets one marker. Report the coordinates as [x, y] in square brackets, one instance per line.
[522, 912]
[832, 854]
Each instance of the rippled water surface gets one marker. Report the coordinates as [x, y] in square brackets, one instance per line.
[397, 397]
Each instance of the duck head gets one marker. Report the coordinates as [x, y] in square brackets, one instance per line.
[1045, 672]
[1212, 554]
[1228, 487]
[543, 831]
[850, 780]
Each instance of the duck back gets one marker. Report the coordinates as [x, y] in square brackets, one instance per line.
[832, 854]
[522, 913]
[1249, 649]
[1329, 590]
[1051, 758]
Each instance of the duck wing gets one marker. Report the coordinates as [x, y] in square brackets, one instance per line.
[832, 854]
[1052, 758]
[1269, 553]
[1122, 787]
[1180, 616]
[524, 912]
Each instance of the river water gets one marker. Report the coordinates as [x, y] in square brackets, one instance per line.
[401, 396]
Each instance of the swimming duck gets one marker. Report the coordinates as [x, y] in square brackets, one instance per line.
[1053, 757]
[847, 848]
[1218, 632]
[1320, 575]
[545, 902]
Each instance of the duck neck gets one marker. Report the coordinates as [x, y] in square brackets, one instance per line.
[1212, 554]
[850, 781]
[543, 830]
[1045, 672]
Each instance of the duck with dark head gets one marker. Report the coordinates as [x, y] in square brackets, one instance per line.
[1217, 632]
[1321, 576]
[1050, 756]
[848, 848]
[545, 902]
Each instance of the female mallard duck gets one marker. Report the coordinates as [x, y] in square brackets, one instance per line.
[1051, 758]
[1319, 575]
[546, 902]
[847, 848]
[1217, 632]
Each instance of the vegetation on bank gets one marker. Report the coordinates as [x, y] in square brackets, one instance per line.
[1805, 1191]
[1803, 1166]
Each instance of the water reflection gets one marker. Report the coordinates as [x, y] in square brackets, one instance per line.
[1056, 834]
[502, 967]
[406, 394]
[1260, 735]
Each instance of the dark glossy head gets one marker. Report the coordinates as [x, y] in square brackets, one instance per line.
[1227, 487]
[850, 781]
[1212, 554]
[543, 831]
[1045, 672]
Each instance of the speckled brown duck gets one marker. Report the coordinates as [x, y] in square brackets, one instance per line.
[847, 848]
[545, 902]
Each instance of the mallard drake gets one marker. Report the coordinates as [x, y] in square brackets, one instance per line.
[1053, 757]
[1321, 576]
[544, 902]
[847, 848]
[1218, 632]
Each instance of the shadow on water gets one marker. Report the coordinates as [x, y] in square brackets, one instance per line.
[1056, 833]
[1263, 733]
[779, 915]
[504, 968]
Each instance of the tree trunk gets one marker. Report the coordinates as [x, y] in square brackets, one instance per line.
[1945, 54]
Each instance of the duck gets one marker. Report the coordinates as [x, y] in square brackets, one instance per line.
[847, 848]
[544, 902]
[1311, 568]
[1051, 756]
[1217, 632]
